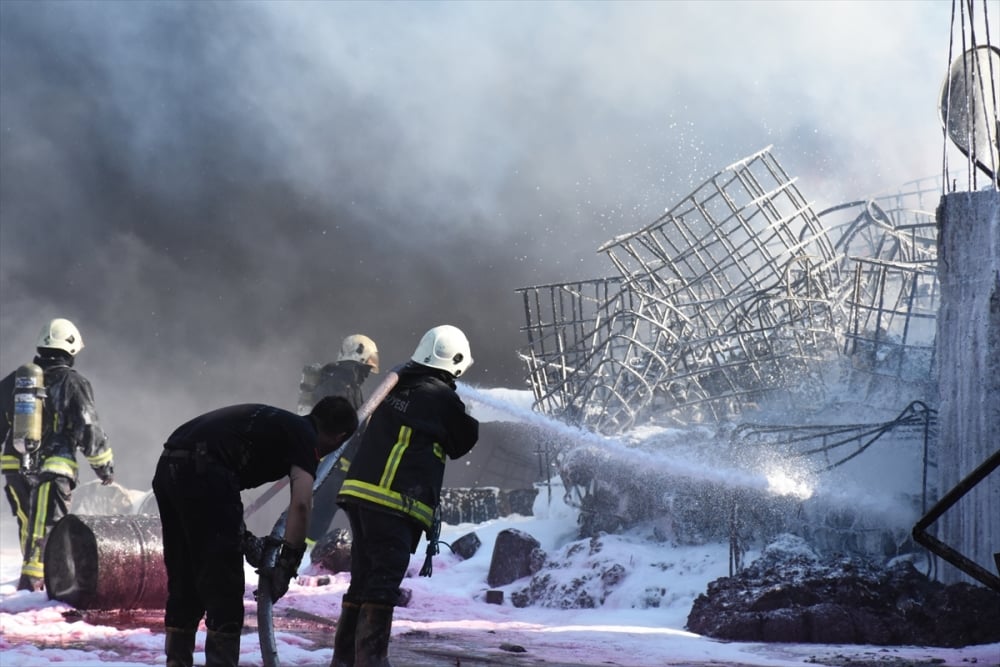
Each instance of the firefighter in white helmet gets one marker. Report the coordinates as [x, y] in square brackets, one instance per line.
[358, 357]
[41, 471]
[393, 488]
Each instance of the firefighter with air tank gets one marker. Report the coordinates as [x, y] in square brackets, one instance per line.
[48, 414]
[357, 359]
[393, 488]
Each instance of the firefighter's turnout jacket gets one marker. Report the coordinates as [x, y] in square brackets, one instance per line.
[341, 378]
[70, 423]
[400, 464]
[39, 487]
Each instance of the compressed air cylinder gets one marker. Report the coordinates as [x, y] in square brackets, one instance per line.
[29, 399]
[106, 562]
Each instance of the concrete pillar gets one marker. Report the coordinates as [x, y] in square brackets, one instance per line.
[968, 363]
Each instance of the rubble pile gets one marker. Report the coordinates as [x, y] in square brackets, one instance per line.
[556, 579]
[790, 594]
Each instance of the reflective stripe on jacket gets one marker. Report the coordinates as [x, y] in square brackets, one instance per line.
[400, 462]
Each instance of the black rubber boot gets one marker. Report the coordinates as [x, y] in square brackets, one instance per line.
[343, 641]
[371, 641]
[179, 647]
[26, 583]
[222, 649]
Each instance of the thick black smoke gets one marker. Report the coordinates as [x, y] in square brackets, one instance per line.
[217, 193]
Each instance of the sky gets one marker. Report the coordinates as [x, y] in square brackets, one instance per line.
[627, 630]
[217, 193]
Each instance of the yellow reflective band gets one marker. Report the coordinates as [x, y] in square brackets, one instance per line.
[59, 465]
[388, 498]
[395, 456]
[10, 462]
[101, 459]
[439, 452]
[33, 569]
[41, 511]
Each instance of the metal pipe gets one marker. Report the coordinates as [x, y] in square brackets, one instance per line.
[946, 552]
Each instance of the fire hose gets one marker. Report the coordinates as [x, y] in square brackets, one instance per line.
[265, 605]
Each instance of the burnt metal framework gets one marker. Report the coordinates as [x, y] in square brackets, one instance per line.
[594, 355]
[892, 322]
[737, 294]
[888, 249]
[732, 295]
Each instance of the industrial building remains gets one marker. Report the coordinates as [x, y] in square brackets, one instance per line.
[742, 303]
[740, 294]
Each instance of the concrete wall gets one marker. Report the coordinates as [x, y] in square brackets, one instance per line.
[968, 355]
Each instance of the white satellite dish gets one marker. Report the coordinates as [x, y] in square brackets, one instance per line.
[969, 110]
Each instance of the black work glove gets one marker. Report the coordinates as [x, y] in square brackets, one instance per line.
[285, 567]
[433, 539]
[106, 473]
[253, 547]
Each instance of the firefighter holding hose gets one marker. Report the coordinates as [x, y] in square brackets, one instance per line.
[393, 488]
[48, 414]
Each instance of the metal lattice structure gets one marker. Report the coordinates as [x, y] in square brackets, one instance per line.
[893, 319]
[888, 246]
[594, 357]
[736, 295]
[827, 446]
[728, 297]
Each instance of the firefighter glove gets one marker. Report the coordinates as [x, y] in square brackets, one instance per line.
[433, 539]
[255, 547]
[106, 474]
[285, 568]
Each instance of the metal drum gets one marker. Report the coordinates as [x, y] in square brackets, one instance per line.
[106, 562]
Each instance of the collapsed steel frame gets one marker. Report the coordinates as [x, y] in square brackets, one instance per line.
[737, 294]
[740, 294]
[888, 246]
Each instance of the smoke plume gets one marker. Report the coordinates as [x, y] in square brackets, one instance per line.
[218, 192]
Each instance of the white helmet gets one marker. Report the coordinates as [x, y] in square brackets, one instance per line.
[444, 347]
[360, 348]
[62, 335]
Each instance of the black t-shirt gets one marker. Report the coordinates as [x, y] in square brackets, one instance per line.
[259, 442]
